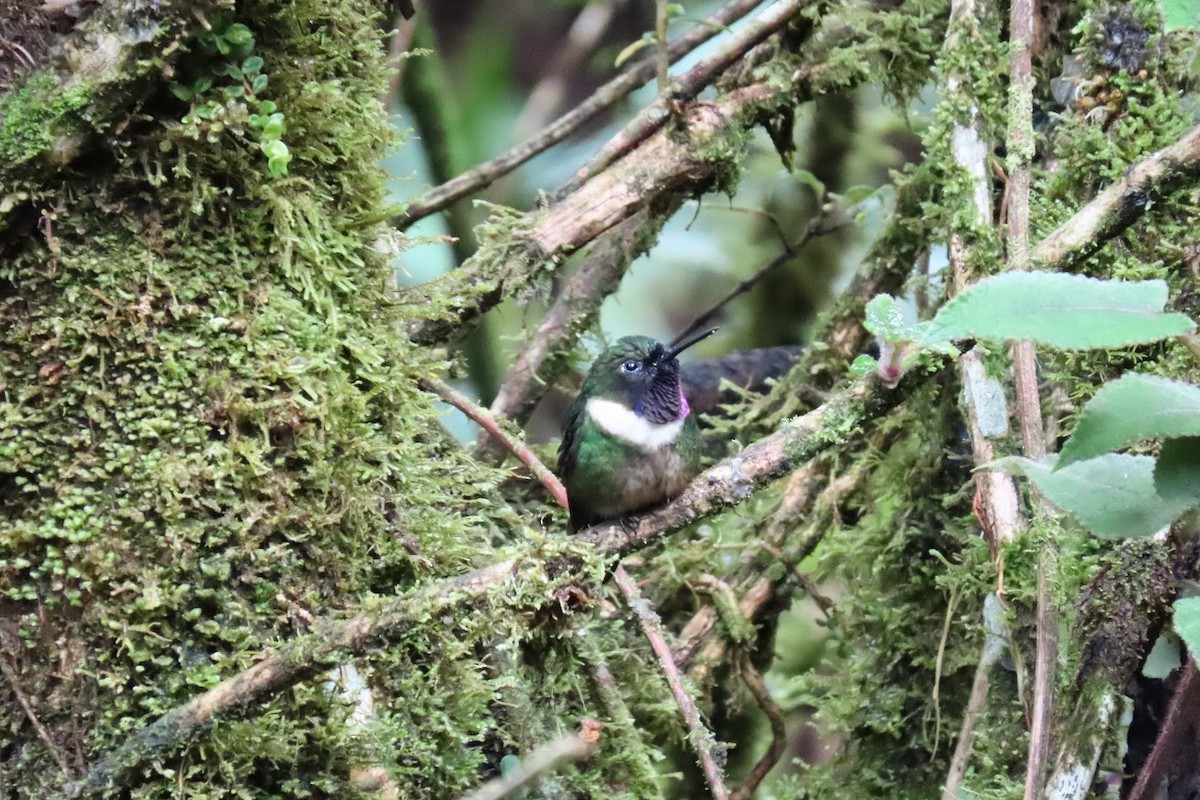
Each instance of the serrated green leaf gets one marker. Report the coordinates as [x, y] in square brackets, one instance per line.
[887, 320]
[1068, 312]
[1187, 622]
[252, 65]
[259, 83]
[1180, 14]
[1132, 408]
[1177, 473]
[1113, 496]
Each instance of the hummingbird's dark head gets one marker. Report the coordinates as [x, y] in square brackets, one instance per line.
[642, 374]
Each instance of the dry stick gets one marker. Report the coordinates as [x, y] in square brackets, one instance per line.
[996, 492]
[725, 484]
[688, 86]
[701, 737]
[758, 688]
[662, 57]
[1020, 147]
[603, 98]
[546, 758]
[489, 424]
[55, 752]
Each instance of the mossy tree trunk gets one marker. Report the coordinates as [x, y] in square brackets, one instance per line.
[213, 443]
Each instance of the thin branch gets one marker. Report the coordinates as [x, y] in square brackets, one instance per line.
[997, 502]
[1020, 147]
[725, 484]
[603, 98]
[546, 758]
[815, 227]
[702, 739]
[1121, 204]
[662, 56]
[687, 87]
[55, 751]
[758, 689]
[511, 443]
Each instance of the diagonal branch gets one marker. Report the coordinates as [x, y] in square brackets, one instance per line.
[605, 97]
[686, 88]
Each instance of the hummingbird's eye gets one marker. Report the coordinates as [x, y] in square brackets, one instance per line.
[631, 366]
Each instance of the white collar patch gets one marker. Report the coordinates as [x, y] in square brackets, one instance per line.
[619, 421]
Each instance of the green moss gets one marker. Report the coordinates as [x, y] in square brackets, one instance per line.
[40, 119]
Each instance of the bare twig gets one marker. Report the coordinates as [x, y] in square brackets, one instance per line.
[687, 87]
[511, 443]
[997, 503]
[51, 747]
[1020, 146]
[702, 739]
[727, 483]
[662, 56]
[605, 97]
[758, 689]
[817, 226]
[546, 758]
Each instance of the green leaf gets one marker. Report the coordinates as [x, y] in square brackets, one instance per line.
[238, 34]
[1112, 496]
[252, 65]
[259, 83]
[181, 91]
[810, 180]
[202, 84]
[1180, 14]
[887, 320]
[1187, 622]
[861, 365]
[274, 149]
[857, 194]
[267, 107]
[1130, 409]
[1068, 312]
[1177, 473]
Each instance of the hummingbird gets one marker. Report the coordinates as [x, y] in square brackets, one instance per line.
[629, 440]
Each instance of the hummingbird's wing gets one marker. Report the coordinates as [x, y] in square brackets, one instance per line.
[568, 448]
[568, 457]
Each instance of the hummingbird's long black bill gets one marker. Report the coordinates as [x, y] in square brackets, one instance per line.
[684, 345]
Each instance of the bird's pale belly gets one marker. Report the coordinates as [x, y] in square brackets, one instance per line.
[645, 480]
